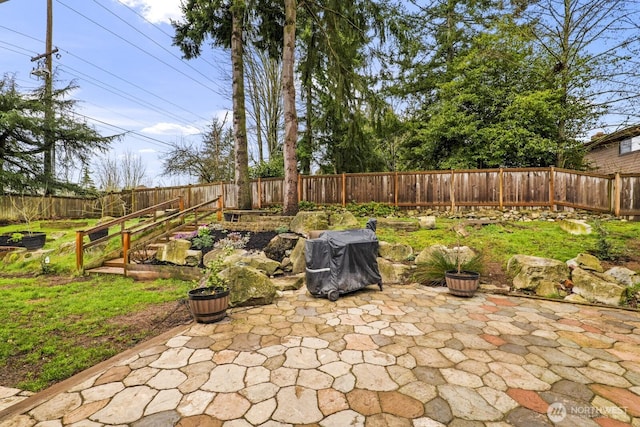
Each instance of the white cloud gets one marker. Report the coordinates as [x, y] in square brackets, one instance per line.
[170, 129]
[147, 150]
[156, 11]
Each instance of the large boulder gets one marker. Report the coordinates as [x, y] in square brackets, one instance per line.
[528, 271]
[248, 286]
[396, 252]
[298, 261]
[427, 222]
[343, 220]
[306, 221]
[393, 273]
[597, 287]
[292, 282]
[178, 252]
[624, 276]
[280, 245]
[256, 260]
[575, 226]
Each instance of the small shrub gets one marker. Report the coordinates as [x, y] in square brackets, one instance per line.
[307, 206]
[372, 209]
[432, 271]
[204, 239]
[604, 249]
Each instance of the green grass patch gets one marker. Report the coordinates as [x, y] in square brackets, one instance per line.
[61, 327]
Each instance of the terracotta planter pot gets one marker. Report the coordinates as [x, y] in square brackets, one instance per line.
[209, 304]
[463, 284]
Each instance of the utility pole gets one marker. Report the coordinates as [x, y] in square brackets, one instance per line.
[49, 137]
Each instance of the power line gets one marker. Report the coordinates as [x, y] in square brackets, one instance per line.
[153, 41]
[139, 48]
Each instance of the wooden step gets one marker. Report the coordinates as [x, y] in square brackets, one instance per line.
[107, 270]
[116, 262]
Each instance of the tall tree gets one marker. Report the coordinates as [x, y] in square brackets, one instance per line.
[224, 23]
[592, 48]
[22, 137]
[290, 205]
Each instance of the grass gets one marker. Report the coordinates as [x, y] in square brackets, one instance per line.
[499, 242]
[61, 327]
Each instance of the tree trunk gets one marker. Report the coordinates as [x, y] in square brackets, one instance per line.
[290, 205]
[243, 183]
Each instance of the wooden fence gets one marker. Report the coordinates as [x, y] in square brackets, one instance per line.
[549, 188]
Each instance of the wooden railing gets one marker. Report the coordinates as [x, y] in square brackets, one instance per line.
[155, 227]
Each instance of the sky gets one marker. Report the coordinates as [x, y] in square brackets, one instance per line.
[131, 79]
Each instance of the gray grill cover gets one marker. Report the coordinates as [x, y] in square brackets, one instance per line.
[344, 261]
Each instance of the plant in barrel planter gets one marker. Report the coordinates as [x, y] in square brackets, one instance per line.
[458, 268]
[208, 302]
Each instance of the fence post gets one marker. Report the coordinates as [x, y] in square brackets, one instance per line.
[552, 188]
[299, 188]
[344, 190]
[617, 189]
[220, 205]
[259, 193]
[395, 189]
[126, 243]
[452, 191]
[79, 250]
[180, 203]
[501, 188]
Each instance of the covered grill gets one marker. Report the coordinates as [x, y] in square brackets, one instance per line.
[339, 262]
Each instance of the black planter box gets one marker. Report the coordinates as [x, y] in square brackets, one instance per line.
[29, 241]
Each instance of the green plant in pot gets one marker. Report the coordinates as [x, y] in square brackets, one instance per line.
[208, 302]
[458, 268]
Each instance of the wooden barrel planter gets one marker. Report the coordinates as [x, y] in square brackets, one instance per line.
[463, 283]
[208, 304]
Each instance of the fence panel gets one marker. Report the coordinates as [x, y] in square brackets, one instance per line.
[271, 192]
[477, 187]
[322, 189]
[525, 187]
[630, 195]
[370, 187]
[582, 190]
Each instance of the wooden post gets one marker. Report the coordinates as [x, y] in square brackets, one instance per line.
[452, 191]
[501, 188]
[181, 203]
[126, 243]
[79, 251]
[617, 196]
[259, 193]
[222, 192]
[344, 190]
[395, 190]
[299, 187]
[189, 201]
[552, 188]
[133, 200]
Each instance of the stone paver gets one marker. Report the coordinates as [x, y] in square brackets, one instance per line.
[407, 356]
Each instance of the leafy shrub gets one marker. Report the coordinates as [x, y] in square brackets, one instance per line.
[372, 209]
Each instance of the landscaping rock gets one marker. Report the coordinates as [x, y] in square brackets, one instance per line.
[177, 252]
[462, 253]
[298, 261]
[425, 254]
[399, 225]
[586, 262]
[393, 273]
[427, 222]
[279, 245]
[257, 260]
[343, 220]
[575, 226]
[528, 271]
[624, 276]
[305, 221]
[547, 288]
[289, 283]
[596, 288]
[396, 252]
[248, 286]
[575, 298]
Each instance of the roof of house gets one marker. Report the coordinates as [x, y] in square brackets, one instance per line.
[616, 136]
